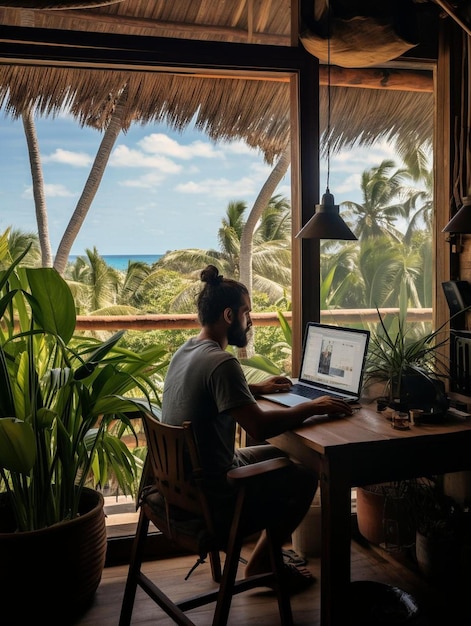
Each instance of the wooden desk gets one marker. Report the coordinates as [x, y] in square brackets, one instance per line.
[359, 450]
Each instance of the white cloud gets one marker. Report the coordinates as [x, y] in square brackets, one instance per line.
[51, 191]
[261, 169]
[348, 184]
[284, 190]
[126, 157]
[148, 181]
[239, 147]
[76, 159]
[221, 187]
[159, 143]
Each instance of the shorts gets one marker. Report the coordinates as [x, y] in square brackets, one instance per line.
[270, 497]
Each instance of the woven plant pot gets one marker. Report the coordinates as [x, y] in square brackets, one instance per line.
[50, 576]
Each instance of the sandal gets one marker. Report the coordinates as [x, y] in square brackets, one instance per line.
[297, 579]
[290, 556]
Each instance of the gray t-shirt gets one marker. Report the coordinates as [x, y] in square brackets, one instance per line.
[202, 385]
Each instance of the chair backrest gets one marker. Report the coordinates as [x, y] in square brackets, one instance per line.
[168, 449]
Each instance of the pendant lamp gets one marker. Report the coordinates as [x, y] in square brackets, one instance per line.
[326, 222]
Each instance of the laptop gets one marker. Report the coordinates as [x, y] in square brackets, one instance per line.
[332, 364]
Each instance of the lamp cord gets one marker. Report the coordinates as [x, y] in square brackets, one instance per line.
[328, 100]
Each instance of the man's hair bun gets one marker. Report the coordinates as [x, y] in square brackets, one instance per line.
[211, 275]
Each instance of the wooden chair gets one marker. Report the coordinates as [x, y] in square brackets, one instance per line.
[178, 507]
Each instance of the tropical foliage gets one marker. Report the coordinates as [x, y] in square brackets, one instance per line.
[390, 263]
[397, 350]
[386, 264]
[271, 257]
[65, 401]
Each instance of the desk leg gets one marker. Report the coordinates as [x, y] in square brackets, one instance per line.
[336, 539]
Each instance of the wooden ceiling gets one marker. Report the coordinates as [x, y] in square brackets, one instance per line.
[396, 99]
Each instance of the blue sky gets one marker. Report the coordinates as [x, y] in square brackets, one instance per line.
[162, 190]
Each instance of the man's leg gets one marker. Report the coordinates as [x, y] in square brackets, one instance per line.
[283, 497]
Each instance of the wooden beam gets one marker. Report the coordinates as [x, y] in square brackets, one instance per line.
[451, 11]
[360, 78]
[175, 28]
[185, 321]
[378, 78]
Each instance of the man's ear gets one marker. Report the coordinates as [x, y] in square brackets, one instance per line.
[228, 315]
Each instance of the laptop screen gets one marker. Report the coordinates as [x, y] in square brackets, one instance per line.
[334, 357]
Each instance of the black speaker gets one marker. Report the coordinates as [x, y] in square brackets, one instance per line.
[458, 296]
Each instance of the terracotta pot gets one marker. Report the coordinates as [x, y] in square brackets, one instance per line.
[382, 519]
[50, 576]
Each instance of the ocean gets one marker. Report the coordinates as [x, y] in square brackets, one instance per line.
[120, 261]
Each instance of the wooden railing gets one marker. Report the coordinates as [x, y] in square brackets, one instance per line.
[339, 317]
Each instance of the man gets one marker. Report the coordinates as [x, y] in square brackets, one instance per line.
[206, 385]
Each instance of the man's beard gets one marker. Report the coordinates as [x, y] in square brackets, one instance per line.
[236, 335]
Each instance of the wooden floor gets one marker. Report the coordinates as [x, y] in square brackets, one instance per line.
[440, 604]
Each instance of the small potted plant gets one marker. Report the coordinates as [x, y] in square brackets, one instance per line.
[411, 366]
[65, 402]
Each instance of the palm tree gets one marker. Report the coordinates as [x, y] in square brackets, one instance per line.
[260, 204]
[419, 170]
[385, 265]
[116, 124]
[38, 186]
[102, 281]
[99, 289]
[342, 284]
[377, 215]
[90, 189]
[271, 255]
[13, 243]
[134, 279]
[229, 236]
[93, 182]
[376, 272]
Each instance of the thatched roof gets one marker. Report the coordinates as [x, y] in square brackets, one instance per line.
[226, 108]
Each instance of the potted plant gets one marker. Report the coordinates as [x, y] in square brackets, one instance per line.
[411, 368]
[65, 402]
[410, 365]
[384, 515]
[438, 522]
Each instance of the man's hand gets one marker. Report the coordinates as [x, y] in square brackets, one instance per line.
[274, 384]
[331, 406]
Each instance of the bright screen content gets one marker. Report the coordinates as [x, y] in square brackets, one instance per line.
[333, 357]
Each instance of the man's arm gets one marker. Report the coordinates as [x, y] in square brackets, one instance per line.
[273, 384]
[263, 424]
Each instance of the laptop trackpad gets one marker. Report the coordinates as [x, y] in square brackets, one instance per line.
[286, 399]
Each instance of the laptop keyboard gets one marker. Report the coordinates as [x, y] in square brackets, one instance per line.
[307, 392]
[311, 393]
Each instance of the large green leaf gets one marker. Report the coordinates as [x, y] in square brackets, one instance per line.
[286, 328]
[7, 404]
[52, 303]
[97, 356]
[17, 445]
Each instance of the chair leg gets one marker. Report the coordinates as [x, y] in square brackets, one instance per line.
[231, 564]
[134, 570]
[282, 596]
[215, 561]
[226, 588]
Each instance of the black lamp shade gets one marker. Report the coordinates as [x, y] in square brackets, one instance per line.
[326, 222]
[461, 221]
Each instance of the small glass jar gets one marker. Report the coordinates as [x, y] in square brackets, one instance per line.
[400, 420]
